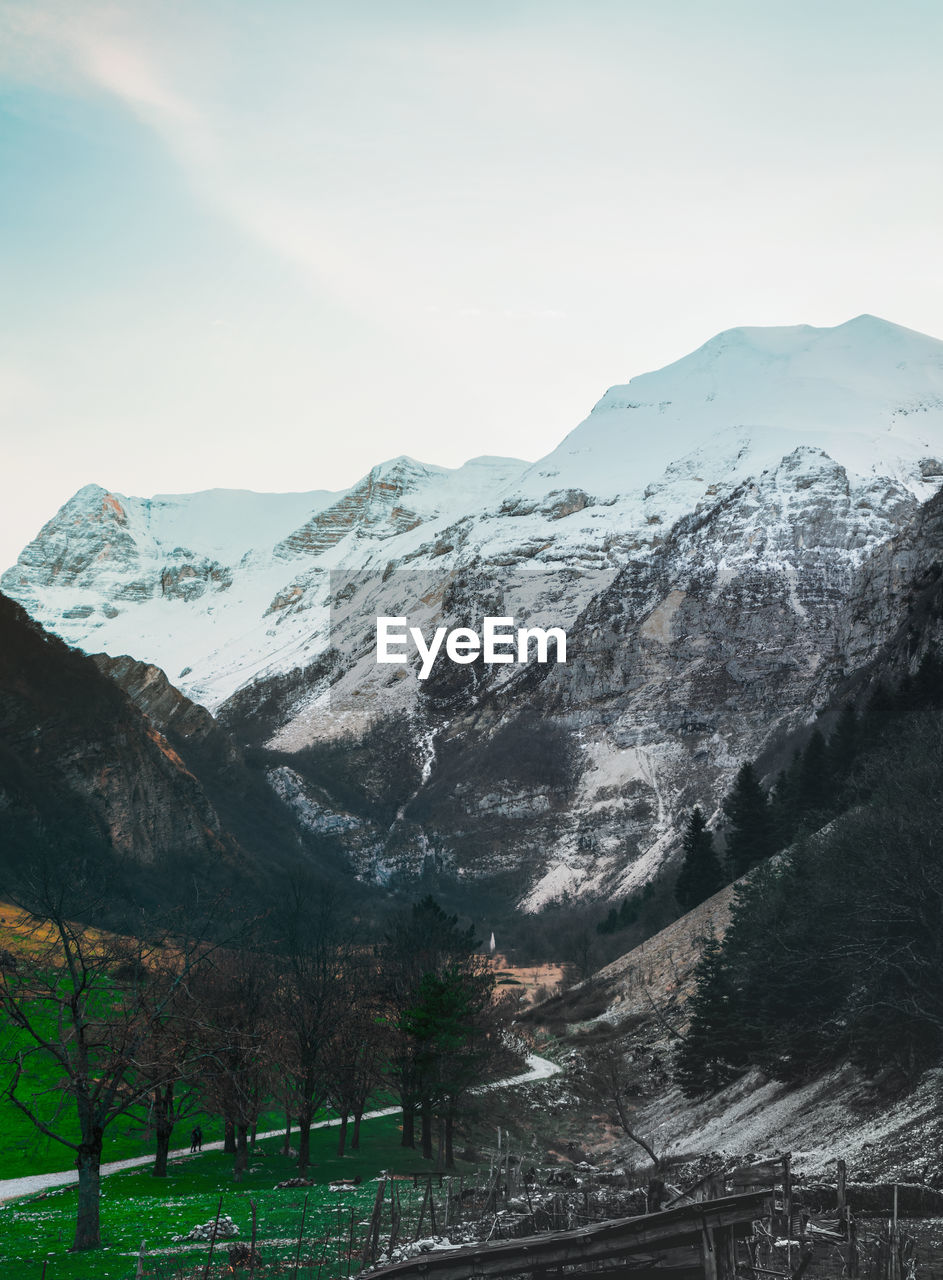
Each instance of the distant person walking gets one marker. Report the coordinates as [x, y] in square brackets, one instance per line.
[196, 1140]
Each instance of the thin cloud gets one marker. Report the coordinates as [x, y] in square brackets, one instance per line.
[60, 43]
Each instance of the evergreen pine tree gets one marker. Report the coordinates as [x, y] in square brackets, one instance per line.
[843, 743]
[701, 873]
[816, 794]
[628, 912]
[928, 682]
[905, 695]
[752, 833]
[878, 714]
[708, 1054]
[784, 802]
[611, 922]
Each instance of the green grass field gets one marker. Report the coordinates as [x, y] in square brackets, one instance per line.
[24, 1150]
[137, 1206]
[36, 1232]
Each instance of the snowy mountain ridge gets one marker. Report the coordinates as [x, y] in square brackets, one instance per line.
[731, 535]
[212, 586]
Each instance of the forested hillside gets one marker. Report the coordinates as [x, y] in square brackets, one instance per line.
[835, 949]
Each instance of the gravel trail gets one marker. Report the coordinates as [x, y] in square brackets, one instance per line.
[13, 1188]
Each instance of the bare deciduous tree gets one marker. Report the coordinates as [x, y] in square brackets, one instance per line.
[608, 1080]
[311, 998]
[84, 1006]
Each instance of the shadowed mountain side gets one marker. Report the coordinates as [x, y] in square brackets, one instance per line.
[89, 778]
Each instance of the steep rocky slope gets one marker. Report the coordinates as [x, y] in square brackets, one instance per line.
[152, 794]
[637, 1005]
[728, 541]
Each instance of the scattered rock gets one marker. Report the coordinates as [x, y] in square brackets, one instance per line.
[225, 1227]
[243, 1255]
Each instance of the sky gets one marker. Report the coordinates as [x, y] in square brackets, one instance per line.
[267, 245]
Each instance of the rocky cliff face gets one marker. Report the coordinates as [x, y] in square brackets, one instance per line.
[78, 755]
[728, 540]
[147, 788]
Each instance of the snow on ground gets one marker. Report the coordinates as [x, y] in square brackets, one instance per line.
[833, 1117]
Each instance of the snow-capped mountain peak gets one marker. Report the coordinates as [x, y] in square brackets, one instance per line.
[868, 392]
[730, 537]
[221, 586]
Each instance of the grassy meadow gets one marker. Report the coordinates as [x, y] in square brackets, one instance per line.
[136, 1206]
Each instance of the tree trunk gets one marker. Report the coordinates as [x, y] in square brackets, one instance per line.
[305, 1116]
[229, 1137]
[286, 1144]
[449, 1152]
[440, 1143]
[242, 1151]
[342, 1134]
[163, 1133]
[355, 1139]
[163, 1126]
[426, 1113]
[409, 1125]
[87, 1235]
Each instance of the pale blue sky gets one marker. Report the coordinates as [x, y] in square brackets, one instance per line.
[266, 245]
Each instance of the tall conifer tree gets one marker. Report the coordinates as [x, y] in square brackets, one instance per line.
[815, 781]
[752, 833]
[709, 1054]
[843, 744]
[701, 873]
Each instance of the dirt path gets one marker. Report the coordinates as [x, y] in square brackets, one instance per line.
[13, 1188]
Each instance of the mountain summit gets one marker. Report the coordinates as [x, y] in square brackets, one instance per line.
[112, 572]
[868, 392]
[731, 538]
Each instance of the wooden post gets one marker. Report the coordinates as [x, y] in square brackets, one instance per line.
[373, 1231]
[893, 1251]
[139, 1273]
[851, 1254]
[708, 1255]
[219, 1209]
[432, 1219]
[301, 1232]
[841, 1199]
[787, 1195]
[725, 1253]
[753, 1252]
[395, 1214]
[422, 1209]
[255, 1224]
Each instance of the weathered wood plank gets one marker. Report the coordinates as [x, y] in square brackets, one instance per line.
[617, 1239]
